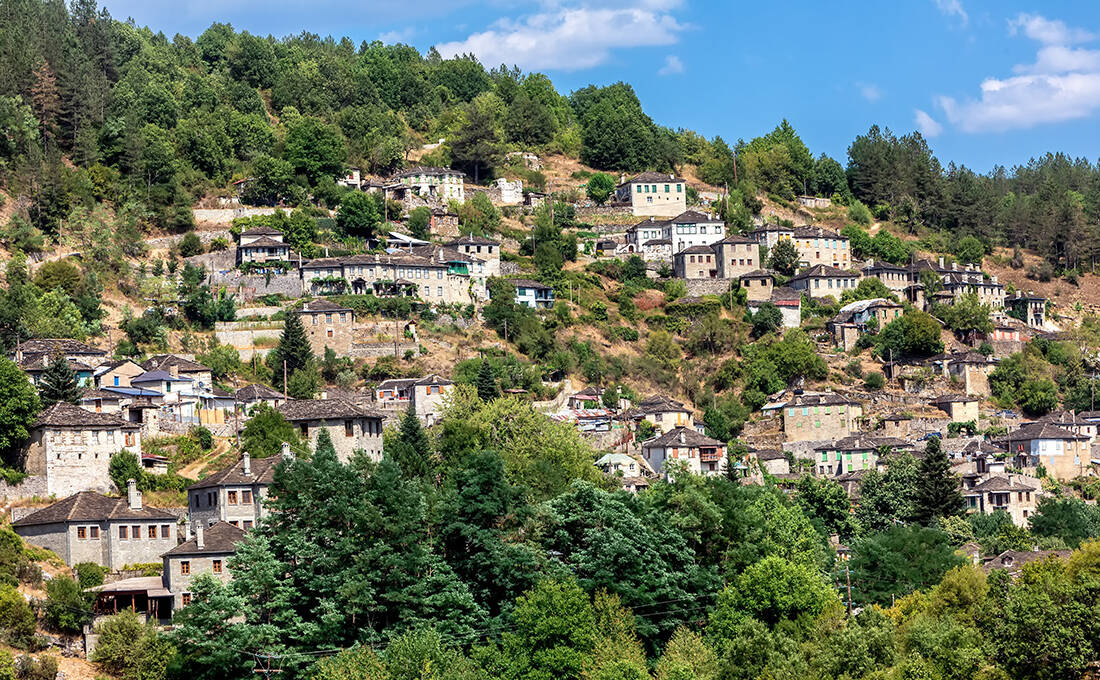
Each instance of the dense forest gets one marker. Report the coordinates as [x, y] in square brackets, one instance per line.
[98, 112]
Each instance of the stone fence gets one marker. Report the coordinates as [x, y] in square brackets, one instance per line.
[31, 487]
[247, 287]
[597, 210]
[227, 215]
[707, 286]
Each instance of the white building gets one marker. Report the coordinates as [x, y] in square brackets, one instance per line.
[654, 193]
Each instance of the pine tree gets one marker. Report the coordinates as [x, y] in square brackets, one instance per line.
[58, 383]
[937, 489]
[486, 382]
[293, 348]
[412, 449]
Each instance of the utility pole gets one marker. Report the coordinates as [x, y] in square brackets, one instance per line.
[848, 578]
[284, 379]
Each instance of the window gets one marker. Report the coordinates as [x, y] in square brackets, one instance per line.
[329, 332]
[81, 532]
[305, 430]
[639, 189]
[116, 381]
[349, 428]
[647, 188]
[246, 497]
[328, 318]
[216, 566]
[135, 532]
[314, 319]
[666, 188]
[165, 531]
[152, 531]
[209, 499]
[247, 524]
[185, 568]
[232, 497]
[439, 290]
[679, 188]
[122, 532]
[93, 533]
[185, 599]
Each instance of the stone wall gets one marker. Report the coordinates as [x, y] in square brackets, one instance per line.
[373, 350]
[242, 335]
[245, 287]
[227, 215]
[32, 486]
[597, 210]
[707, 286]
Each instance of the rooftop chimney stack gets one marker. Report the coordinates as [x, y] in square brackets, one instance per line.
[683, 439]
[187, 531]
[941, 261]
[200, 540]
[174, 370]
[246, 463]
[287, 455]
[133, 496]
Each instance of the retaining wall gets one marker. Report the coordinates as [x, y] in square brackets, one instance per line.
[707, 286]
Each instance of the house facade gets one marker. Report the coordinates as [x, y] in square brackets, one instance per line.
[262, 244]
[816, 417]
[441, 183]
[758, 285]
[207, 553]
[1017, 495]
[696, 262]
[73, 448]
[663, 413]
[653, 193]
[959, 408]
[817, 246]
[328, 325]
[90, 527]
[233, 495]
[397, 275]
[701, 454]
[351, 427]
[821, 281]
[736, 255]
[1064, 454]
[533, 294]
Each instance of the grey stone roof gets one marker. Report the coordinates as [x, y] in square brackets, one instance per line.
[427, 170]
[261, 231]
[263, 471]
[322, 305]
[256, 392]
[683, 436]
[163, 362]
[89, 506]
[63, 414]
[324, 409]
[652, 177]
[58, 346]
[823, 271]
[218, 539]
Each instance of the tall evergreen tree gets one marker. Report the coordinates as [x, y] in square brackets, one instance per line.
[293, 348]
[937, 489]
[411, 449]
[486, 382]
[59, 383]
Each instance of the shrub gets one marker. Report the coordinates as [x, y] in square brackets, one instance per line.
[203, 437]
[190, 245]
[859, 213]
[874, 381]
[29, 668]
[89, 574]
[17, 622]
[66, 608]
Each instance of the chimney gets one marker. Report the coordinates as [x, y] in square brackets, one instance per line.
[174, 370]
[954, 266]
[246, 463]
[287, 454]
[187, 531]
[941, 261]
[993, 279]
[133, 496]
[200, 540]
[683, 440]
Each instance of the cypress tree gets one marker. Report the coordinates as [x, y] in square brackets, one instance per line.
[412, 449]
[293, 348]
[937, 493]
[59, 383]
[486, 382]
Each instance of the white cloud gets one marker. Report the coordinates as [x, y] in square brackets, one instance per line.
[869, 91]
[672, 66]
[397, 36]
[927, 124]
[953, 8]
[571, 38]
[1062, 84]
[1048, 31]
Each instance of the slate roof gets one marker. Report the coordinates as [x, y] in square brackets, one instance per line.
[263, 471]
[738, 238]
[807, 231]
[1000, 484]
[58, 345]
[689, 437]
[322, 305]
[89, 506]
[758, 274]
[953, 399]
[261, 231]
[427, 170]
[826, 399]
[652, 177]
[471, 240]
[819, 271]
[91, 393]
[443, 254]
[266, 242]
[528, 283]
[1039, 431]
[696, 250]
[769, 454]
[163, 362]
[862, 442]
[63, 414]
[158, 376]
[693, 217]
[1014, 560]
[218, 539]
[256, 392]
[324, 409]
[659, 403]
[785, 294]
[38, 362]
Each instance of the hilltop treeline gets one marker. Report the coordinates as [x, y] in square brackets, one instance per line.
[96, 110]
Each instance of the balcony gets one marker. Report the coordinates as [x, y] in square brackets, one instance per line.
[710, 455]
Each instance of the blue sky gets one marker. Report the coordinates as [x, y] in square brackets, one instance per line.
[988, 82]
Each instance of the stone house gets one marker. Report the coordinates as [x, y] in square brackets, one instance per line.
[83, 358]
[1085, 422]
[351, 427]
[506, 193]
[736, 255]
[181, 367]
[207, 553]
[234, 494]
[893, 276]
[73, 447]
[972, 369]
[653, 193]
[90, 527]
[824, 281]
[619, 463]
[250, 395]
[896, 425]
[484, 254]
[440, 183]
[693, 228]
[328, 325]
[703, 455]
[533, 294]
[663, 413]
[696, 262]
[758, 285]
[855, 318]
[170, 387]
[397, 275]
[817, 417]
[789, 302]
[117, 373]
[773, 461]
[1018, 495]
[34, 365]
[959, 408]
[462, 268]
[1014, 561]
[262, 244]
[817, 246]
[1030, 307]
[1063, 453]
[855, 452]
[769, 235]
[647, 238]
[425, 394]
